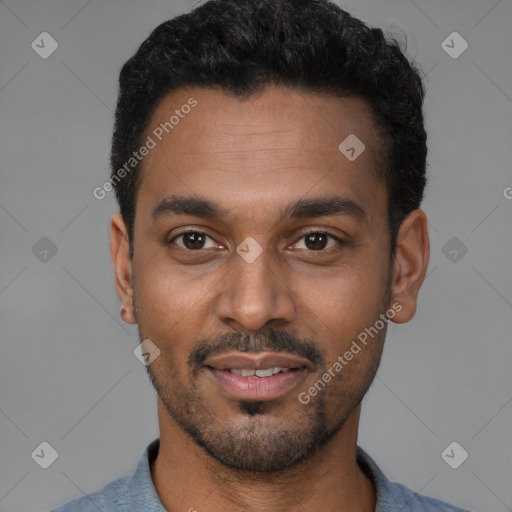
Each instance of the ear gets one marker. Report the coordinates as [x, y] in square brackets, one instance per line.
[410, 264]
[120, 253]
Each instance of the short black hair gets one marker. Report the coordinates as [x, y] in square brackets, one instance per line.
[240, 46]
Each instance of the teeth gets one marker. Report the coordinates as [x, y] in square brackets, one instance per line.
[265, 373]
[262, 372]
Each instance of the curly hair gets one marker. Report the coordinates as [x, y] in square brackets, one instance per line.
[313, 45]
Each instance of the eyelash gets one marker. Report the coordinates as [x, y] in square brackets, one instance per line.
[304, 235]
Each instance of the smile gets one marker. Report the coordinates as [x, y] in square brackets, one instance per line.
[259, 377]
[263, 372]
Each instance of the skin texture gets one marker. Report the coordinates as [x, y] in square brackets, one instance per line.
[253, 157]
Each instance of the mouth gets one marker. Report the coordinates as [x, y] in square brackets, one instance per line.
[259, 373]
[259, 377]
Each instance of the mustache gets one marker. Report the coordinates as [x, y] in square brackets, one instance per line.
[270, 340]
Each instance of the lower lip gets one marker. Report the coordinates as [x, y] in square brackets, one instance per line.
[257, 388]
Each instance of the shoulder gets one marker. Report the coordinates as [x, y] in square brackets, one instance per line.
[411, 501]
[112, 498]
[393, 496]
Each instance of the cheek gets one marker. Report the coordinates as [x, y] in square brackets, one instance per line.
[344, 308]
[171, 308]
[351, 296]
[160, 298]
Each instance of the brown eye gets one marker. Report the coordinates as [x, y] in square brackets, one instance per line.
[317, 241]
[192, 240]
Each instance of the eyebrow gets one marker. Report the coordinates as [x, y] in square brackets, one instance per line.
[303, 208]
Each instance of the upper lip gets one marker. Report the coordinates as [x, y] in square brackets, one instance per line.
[238, 360]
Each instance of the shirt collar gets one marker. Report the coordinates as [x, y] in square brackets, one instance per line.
[390, 496]
[141, 493]
[140, 490]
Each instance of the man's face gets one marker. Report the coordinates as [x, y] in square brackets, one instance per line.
[254, 281]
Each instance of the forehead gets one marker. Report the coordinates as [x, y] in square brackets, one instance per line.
[276, 144]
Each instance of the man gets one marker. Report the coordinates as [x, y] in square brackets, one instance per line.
[269, 162]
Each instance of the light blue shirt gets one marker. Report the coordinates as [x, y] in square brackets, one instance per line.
[136, 493]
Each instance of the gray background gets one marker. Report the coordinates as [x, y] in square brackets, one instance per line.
[68, 373]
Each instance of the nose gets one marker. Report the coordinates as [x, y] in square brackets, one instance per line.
[254, 294]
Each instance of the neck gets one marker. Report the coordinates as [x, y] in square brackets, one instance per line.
[187, 478]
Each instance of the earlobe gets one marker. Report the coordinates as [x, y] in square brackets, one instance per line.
[120, 254]
[410, 264]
